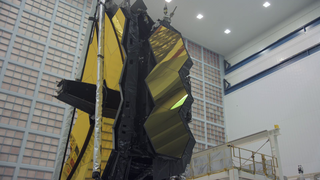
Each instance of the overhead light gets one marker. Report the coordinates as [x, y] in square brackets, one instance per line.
[227, 31]
[199, 16]
[168, 1]
[266, 4]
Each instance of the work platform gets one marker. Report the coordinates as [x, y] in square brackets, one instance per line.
[231, 161]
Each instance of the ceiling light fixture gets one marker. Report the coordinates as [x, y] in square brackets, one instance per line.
[266, 4]
[199, 16]
[168, 1]
[227, 31]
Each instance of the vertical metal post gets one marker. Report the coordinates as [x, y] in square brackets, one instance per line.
[209, 164]
[234, 174]
[264, 165]
[224, 159]
[275, 152]
[99, 94]
[239, 158]
[254, 164]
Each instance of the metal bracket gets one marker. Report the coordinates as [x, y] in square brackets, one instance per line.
[226, 65]
[226, 84]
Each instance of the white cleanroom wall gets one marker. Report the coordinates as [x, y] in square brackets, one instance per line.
[290, 98]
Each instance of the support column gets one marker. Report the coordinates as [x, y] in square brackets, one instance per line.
[275, 151]
[233, 174]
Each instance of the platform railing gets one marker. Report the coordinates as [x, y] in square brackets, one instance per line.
[229, 157]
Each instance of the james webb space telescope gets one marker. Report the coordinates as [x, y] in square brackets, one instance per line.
[132, 96]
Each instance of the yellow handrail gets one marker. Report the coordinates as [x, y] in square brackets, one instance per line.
[224, 159]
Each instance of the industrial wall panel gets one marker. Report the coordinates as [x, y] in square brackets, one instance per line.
[64, 38]
[47, 118]
[212, 75]
[41, 7]
[10, 143]
[26, 174]
[77, 3]
[197, 129]
[206, 80]
[196, 70]
[213, 94]
[85, 22]
[47, 88]
[197, 88]
[88, 6]
[31, 120]
[8, 15]
[68, 15]
[194, 50]
[216, 135]
[214, 114]
[40, 150]
[6, 172]
[211, 58]
[198, 108]
[16, 2]
[4, 42]
[14, 110]
[27, 52]
[34, 26]
[59, 62]
[81, 44]
[20, 79]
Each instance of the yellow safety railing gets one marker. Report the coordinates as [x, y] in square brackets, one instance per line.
[255, 163]
[214, 161]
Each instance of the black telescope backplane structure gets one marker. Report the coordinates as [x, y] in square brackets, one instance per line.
[146, 95]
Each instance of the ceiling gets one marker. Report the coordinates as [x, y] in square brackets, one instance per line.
[246, 19]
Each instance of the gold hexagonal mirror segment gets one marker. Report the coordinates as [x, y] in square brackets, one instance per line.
[164, 126]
